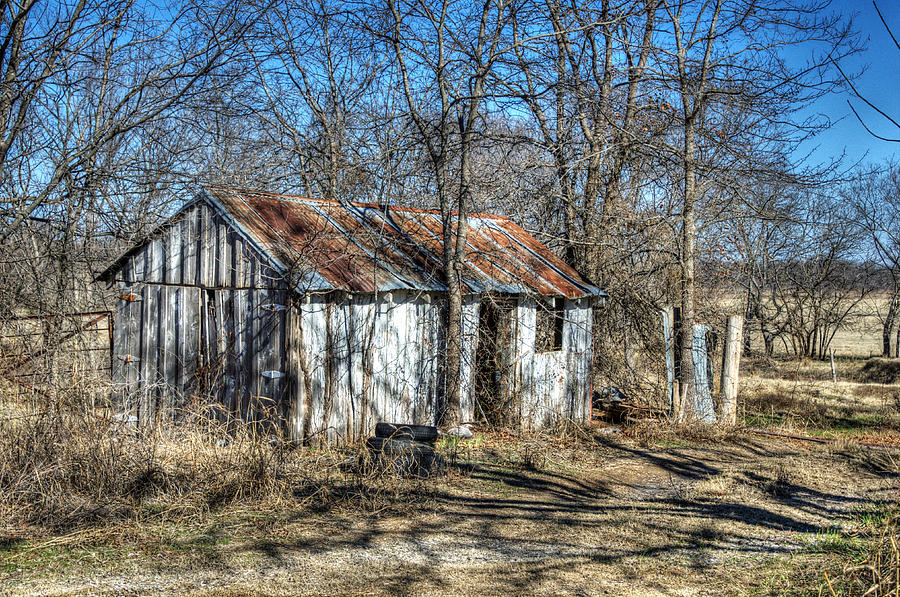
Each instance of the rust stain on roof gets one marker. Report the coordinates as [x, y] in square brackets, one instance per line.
[362, 247]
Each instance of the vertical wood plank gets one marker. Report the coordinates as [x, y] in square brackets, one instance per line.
[731, 364]
[191, 342]
[294, 374]
[241, 387]
[703, 407]
[253, 343]
[189, 251]
[238, 263]
[199, 233]
[219, 257]
[131, 346]
[169, 360]
[118, 352]
[150, 354]
[227, 347]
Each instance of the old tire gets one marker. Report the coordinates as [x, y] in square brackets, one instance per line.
[419, 433]
[392, 446]
[405, 457]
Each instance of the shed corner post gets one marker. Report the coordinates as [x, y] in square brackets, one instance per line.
[731, 361]
[296, 395]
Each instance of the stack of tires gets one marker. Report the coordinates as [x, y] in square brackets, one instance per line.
[406, 450]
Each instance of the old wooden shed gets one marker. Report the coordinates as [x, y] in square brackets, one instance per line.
[327, 315]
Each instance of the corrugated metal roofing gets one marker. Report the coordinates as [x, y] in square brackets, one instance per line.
[358, 247]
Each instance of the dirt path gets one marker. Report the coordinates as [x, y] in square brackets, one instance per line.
[617, 520]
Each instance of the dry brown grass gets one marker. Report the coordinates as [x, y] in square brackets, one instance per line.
[801, 398]
[538, 514]
[664, 432]
[67, 467]
[657, 509]
[872, 549]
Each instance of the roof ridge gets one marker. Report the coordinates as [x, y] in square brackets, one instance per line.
[381, 206]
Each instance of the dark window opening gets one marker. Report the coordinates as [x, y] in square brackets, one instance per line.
[550, 319]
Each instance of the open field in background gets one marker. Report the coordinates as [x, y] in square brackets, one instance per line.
[91, 509]
[859, 337]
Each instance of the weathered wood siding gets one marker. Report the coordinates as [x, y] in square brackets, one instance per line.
[553, 386]
[199, 310]
[201, 313]
[375, 358]
[365, 358]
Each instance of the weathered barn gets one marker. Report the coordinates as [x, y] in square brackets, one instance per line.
[328, 316]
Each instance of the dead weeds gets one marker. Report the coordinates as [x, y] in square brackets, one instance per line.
[536, 514]
[666, 433]
[68, 468]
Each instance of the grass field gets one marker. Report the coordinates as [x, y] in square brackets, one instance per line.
[801, 397]
[650, 510]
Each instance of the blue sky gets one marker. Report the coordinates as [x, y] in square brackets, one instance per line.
[880, 83]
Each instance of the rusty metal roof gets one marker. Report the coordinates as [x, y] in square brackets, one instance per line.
[359, 247]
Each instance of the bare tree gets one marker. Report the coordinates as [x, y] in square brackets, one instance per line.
[761, 238]
[317, 73]
[92, 95]
[444, 53]
[579, 70]
[818, 287]
[874, 197]
[78, 76]
[729, 89]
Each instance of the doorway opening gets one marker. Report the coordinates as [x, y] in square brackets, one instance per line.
[494, 396]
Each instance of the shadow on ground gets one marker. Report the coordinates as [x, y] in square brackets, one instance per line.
[542, 522]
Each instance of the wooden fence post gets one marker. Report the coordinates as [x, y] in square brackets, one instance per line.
[731, 361]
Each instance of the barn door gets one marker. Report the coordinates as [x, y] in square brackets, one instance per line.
[241, 365]
[270, 381]
[493, 395]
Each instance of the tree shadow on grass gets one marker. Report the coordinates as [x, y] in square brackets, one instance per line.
[645, 525]
[537, 524]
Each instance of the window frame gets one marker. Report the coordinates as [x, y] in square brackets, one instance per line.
[550, 320]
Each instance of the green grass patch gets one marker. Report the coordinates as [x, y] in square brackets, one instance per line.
[673, 443]
[30, 557]
[835, 541]
[763, 419]
[836, 561]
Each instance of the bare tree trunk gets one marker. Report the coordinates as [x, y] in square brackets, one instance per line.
[454, 253]
[692, 83]
[688, 241]
[452, 413]
[456, 97]
[454, 262]
[888, 327]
